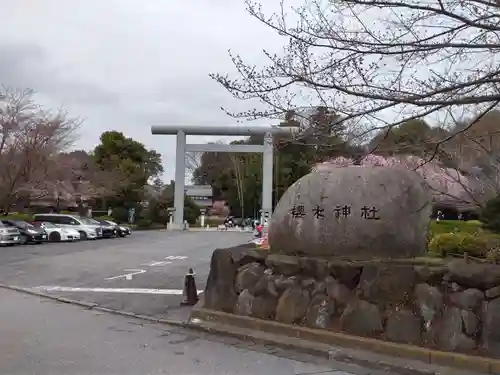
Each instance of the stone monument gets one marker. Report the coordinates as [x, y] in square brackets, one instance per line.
[359, 212]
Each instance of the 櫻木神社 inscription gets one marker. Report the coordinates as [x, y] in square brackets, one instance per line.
[298, 211]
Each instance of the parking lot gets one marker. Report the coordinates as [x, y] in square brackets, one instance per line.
[143, 273]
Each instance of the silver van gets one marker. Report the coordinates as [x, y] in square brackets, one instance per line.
[87, 228]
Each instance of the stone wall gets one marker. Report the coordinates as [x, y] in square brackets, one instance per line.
[451, 306]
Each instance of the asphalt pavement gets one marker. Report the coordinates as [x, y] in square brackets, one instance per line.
[43, 337]
[143, 273]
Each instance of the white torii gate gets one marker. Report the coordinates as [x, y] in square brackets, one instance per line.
[232, 130]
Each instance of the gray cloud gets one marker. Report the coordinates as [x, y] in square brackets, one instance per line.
[128, 64]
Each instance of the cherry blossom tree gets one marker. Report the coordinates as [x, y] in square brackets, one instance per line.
[219, 208]
[367, 57]
[444, 183]
[30, 138]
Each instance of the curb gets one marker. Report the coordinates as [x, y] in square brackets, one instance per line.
[96, 307]
[310, 336]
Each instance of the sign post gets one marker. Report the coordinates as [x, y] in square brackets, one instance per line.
[170, 211]
[131, 215]
[264, 214]
[202, 218]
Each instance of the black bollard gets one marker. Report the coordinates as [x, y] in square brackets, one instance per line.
[190, 292]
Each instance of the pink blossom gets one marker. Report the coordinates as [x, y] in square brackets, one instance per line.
[444, 183]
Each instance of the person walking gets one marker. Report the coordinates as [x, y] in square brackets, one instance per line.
[260, 229]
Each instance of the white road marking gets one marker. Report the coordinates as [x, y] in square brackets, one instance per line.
[127, 276]
[172, 292]
[175, 257]
[156, 263]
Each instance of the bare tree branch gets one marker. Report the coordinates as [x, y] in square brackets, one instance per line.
[381, 61]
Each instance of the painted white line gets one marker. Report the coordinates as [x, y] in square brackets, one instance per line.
[127, 276]
[172, 292]
[156, 263]
[175, 257]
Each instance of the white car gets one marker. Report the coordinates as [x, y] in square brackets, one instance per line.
[87, 228]
[57, 233]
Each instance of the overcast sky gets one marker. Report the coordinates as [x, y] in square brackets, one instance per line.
[128, 64]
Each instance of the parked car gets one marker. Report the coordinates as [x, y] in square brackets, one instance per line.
[123, 230]
[57, 233]
[9, 235]
[28, 232]
[87, 228]
[108, 230]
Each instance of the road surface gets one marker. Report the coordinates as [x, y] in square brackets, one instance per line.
[43, 337]
[143, 274]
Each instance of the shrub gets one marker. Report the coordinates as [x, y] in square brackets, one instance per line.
[143, 223]
[18, 216]
[191, 211]
[455, 226]
[490, 215]
[105, 217]
[120, 215]
[476, 245]
[474, 222]
[214, 221]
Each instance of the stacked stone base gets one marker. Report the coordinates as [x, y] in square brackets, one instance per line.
[453, 306]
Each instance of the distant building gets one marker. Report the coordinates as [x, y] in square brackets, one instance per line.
[202, 195]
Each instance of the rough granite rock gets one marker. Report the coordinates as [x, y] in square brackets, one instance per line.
[283, 283]
[266, 285]
[430, 303]
[264, 307]
[220, 293]
[305, 222]
[248, 253]
[403, 326]
[345, 273]
[338, 292]
[319, 288]
[248, 276]
[292, 305]
[380, 283]
[473, 275]
[319, 312]
[491, 328]
[469, 299]
[431, 274]
[361, 318]
[470, 322]
[450, 336]
[244, 303]
[312, 267]
[493, 292]
[283, 264]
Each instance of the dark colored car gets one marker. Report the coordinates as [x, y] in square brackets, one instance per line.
[29, 233]
[123, 230]
[108, 230]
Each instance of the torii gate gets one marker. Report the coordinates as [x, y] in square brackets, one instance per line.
[232, 130]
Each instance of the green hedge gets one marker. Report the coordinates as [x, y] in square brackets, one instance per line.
[18, 216]
[107, 218]
[144, 226]
[476, 245]
[455, 226]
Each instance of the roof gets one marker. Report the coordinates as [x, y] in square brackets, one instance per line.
[199, 191]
